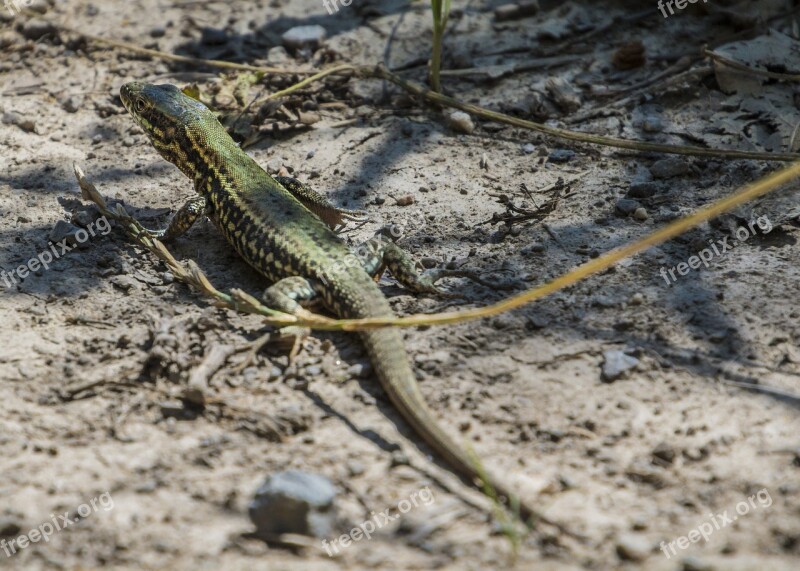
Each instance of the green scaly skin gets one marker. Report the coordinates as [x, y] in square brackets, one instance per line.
[280, 237]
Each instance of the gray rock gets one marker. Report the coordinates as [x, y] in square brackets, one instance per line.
[125, 283]
[304, 37]
[63, 230]
[615, 364]
[627, 206]
[278, 55]
[561, 156]
[71, 103]
[213, 37]
[632, 548]
[294, 502]
[692, 563]
[643, 189]
[36, 28]
[528, 148]
[668, 168]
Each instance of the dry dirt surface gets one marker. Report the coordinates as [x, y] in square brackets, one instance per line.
[615, 406]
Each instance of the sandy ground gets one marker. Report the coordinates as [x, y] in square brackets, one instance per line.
[97, 349]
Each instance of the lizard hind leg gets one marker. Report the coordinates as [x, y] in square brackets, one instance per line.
[286, 296]
[182, 220]
[403, 268]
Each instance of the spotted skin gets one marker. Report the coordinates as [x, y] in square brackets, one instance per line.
[283, 239]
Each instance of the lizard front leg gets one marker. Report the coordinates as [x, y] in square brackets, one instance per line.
[182, 220]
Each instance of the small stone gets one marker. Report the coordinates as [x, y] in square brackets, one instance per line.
[9, 527]
[359, 370]
[274, 165]
[670, 167]
[278, 55]
[561, 156]
[632, 548]
[63, 230]
[652, 124]
[627, 206]
[379, 199]
[664, 452]
[640, 214]
[460, 121]
[692, 563]
[125, 283]
[213, 37]
[528, 148]
[643, 189]
[71, 103]
[304, 36]
[13, 118]
[309, 117]
[294, 502]
[516, 10]
[36, 28]
[637, 299]
[406, 200]
[615, 364]
[158, 32]
[38, 6]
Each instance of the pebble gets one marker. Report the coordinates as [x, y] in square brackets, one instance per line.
[36, 28]
[643, 189]
[213, 37]
[561, 156]
[460, 121]
[274, 165]
[406, 200]
[528, 148]
[71, 103]
[615, 364]
[294, 502]
[278, 56]
[670, 167]
[379, 199]
[652, 124]
[693, 563]
[359, 370]
[640, 214]
[125, 283]
[304, 36]
[13, 118]
[627, 206]
[158, 32]
[64, 230]
[632, 548]
[664, 452]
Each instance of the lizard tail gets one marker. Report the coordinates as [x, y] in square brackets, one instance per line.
[390, 360]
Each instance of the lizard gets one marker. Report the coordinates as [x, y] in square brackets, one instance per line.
[284, 229]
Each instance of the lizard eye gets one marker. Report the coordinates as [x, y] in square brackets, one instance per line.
[140, 105]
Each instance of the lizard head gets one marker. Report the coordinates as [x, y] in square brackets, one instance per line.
[172, 120]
